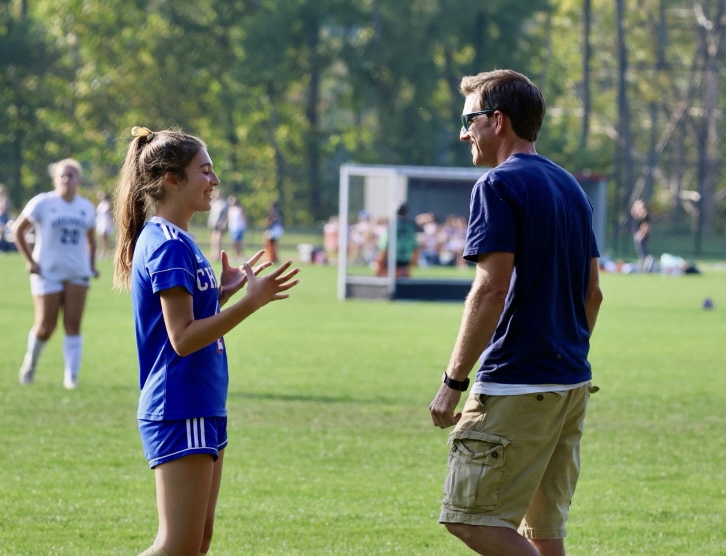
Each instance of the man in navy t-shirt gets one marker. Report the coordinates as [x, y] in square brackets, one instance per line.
[514, 459]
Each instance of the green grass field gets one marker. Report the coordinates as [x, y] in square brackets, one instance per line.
[332, 451]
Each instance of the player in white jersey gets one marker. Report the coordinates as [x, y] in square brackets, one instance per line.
[176, 299]
[60, 264]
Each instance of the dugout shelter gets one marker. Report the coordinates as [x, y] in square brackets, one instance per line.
[379, 190]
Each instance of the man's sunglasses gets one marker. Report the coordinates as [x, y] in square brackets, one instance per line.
[466, 119]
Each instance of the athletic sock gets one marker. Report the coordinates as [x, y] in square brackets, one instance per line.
[35, 347]
[72, 350]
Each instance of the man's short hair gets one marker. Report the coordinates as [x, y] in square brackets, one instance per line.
[512, 93]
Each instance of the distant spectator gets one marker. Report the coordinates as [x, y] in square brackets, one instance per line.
[331, 233]
[217, 223]
[406, 246]
[428, 239]
[641, 233]
[237, 226]
[452, 238]
[362, 240]
[4, 218]
[273, 232]
[104, 224]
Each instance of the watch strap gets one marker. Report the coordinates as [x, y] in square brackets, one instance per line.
[460, 385]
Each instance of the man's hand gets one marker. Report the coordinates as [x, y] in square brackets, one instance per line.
[443, 406]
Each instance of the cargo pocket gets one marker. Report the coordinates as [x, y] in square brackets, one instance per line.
[475, 470]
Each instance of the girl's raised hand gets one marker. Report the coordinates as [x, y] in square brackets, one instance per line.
[233, 278]
[270, 287]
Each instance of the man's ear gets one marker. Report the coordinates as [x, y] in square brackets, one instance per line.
[502, 121]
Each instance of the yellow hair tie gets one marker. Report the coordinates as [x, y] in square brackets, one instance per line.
[140, 131]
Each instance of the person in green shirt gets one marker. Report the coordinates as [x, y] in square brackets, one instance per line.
[406, 246]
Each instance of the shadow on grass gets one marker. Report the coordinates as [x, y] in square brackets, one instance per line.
[274, 396]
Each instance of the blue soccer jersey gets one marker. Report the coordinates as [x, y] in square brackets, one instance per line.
[172, 386]
[534, 209]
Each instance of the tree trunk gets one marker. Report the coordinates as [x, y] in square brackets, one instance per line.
[676, 172]
[624, 162]
[312, 137]
[652, 153]
[586, 61]
[712, 32]
[279, 159]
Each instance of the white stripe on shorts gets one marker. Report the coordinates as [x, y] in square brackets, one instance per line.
[195, 433]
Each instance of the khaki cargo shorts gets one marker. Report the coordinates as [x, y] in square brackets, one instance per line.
[514, 461]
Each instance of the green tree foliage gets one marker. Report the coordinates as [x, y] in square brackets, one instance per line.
[30, 67]
[284, 91]
[674, 58]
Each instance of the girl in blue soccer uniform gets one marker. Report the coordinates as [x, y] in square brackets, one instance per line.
[176, 299]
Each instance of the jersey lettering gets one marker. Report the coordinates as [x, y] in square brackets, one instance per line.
[206, 278]
[202, 284]
[210, 274]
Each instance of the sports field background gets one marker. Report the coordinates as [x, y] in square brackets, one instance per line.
[332, 451]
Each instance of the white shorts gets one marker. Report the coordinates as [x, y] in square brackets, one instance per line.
[44, 286]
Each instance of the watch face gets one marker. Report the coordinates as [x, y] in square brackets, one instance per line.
[460, 385]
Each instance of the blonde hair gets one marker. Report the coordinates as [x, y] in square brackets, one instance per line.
[149, 157]
[72, 162]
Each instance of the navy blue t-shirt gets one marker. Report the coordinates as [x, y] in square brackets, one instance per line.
[531, 207]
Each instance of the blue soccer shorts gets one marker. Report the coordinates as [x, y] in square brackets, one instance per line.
[168, 440]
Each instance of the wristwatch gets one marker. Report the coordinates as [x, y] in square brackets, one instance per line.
[460, 385]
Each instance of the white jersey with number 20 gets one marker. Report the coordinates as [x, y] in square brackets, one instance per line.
[61, 235]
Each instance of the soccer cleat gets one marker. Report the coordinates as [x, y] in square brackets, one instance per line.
[69, 382]
[27, 370]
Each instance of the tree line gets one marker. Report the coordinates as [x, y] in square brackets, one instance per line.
[284, 91]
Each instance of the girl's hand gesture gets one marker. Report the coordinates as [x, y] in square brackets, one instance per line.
[271, 287]
[233, 278]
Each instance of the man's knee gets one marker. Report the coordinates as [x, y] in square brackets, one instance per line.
[492, 540]
[460, 530]
[549, 547]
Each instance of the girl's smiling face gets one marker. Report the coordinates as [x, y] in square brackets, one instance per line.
[196, 191]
